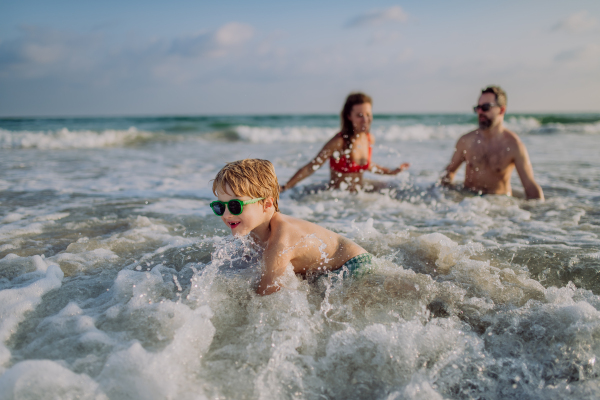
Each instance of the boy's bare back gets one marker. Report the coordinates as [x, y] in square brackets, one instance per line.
[307, 246]
[248, 196]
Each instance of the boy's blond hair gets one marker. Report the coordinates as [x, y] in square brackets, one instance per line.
[250, 177]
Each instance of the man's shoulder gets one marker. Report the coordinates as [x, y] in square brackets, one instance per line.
[511, 137]
[468, 137]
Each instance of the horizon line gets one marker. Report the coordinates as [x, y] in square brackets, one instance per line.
[167, 115]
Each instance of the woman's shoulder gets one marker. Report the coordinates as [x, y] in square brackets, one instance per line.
[371, 138]
[336, 141]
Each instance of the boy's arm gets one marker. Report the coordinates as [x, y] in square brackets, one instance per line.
[276, 258]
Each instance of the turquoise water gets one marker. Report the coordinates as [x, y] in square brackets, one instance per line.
[206, 124]
[117, 281]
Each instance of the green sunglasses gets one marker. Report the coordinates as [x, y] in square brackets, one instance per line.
[235, 206]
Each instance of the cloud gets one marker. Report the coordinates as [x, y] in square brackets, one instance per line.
[75, 57]
[580, 22]
[588, 54]
[213, 44]
[377, 18]
[39, 50]
[382, 37]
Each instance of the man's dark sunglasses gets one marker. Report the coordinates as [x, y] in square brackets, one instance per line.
[484, 107]
[235, 206]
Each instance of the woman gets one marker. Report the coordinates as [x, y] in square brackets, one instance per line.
[349, 151]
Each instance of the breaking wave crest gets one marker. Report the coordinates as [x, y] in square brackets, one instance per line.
[67, 139]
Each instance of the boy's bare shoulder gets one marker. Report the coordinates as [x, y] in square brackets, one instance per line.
[283, 227]
[286, 228]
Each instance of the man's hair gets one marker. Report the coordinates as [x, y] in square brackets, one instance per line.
[352, 100]
[498, 92]
[250, 177]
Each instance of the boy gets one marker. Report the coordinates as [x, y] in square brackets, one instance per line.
[248, 195]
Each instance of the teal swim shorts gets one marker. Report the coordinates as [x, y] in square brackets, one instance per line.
[355, 267]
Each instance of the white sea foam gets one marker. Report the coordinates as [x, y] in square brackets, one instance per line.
[293, 134]
[389, 133]
[522, 124]
[392, 133]
[40, 278]
[45, 379]
[67, 139]
[421, 132]
[580, 128]
[469, 296]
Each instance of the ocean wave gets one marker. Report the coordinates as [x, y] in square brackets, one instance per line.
[393, 133]
[290, 134]
[67, 139]
[522, 124]
[419, 132]
[580, 128]
[554, 124]
[388, 133]
[398, 131]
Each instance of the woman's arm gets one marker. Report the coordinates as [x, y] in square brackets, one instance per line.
[334, 144]
[378, 169]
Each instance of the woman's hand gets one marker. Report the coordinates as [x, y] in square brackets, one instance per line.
[400, 168]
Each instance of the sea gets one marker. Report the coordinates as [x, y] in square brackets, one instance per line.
[118, 282]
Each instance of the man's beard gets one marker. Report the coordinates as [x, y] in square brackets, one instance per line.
[484, 122]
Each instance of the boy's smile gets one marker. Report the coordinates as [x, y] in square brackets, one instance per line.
[233, 225]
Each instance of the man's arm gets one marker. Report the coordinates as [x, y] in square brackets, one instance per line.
[525, 171]
[457, 159]
[313, 165]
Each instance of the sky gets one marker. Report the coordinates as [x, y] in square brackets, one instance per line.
[90, 58]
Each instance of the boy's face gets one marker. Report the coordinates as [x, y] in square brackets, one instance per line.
[251, 217]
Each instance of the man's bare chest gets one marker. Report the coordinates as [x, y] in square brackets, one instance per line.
[489, 158]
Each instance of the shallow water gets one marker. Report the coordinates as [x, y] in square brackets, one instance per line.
[117, 281]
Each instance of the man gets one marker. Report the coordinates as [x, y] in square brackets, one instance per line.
[491, 152]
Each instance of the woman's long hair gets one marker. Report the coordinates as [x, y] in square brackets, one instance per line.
[347, 127]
